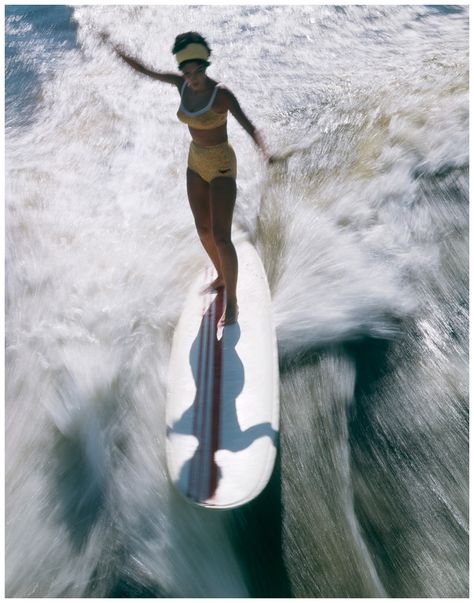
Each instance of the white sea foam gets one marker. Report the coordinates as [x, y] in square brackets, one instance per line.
[370, 106]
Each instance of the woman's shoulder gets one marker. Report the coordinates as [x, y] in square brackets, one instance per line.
[222, 88]
[224, 95]
[179, 81]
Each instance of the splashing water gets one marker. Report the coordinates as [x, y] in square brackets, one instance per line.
[362, 227]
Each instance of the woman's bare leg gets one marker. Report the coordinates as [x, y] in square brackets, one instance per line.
[199, 200]
[223, 192]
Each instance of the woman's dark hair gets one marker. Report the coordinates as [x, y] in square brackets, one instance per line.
[190, 37]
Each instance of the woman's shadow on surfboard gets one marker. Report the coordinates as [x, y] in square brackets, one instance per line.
[219, 376]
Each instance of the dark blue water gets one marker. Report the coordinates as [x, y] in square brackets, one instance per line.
[35, 38]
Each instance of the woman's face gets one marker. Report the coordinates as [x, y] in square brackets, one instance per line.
[195, 74]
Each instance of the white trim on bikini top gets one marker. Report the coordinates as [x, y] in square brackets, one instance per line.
[201, 111]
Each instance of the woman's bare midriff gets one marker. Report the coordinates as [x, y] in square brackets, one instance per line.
[209, 138]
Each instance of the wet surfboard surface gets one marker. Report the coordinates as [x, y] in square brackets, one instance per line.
[222, 402]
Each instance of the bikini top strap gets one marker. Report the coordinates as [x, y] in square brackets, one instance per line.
[204, 109]
[213, 96]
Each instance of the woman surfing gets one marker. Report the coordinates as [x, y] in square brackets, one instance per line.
[212, 165]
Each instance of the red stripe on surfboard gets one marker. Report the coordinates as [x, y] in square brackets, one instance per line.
[203, 475]
[204, 436]
[198, 418]
[216, 396]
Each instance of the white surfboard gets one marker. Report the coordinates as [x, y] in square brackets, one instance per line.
[222, 406]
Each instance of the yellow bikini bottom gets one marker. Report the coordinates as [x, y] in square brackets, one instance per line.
[218, 161]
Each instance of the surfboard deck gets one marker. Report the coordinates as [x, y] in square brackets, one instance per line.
[222, 407]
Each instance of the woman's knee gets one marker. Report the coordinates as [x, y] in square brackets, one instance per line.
[204, 230]
[221, 239]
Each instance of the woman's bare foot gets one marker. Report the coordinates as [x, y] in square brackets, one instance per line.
[216, 284]
[231, 314]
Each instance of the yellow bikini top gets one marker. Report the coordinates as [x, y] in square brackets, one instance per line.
[205, 118]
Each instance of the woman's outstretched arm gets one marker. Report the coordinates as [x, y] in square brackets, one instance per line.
[162, 76]
[247, 125]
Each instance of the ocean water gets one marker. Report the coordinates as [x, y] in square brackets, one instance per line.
[363, 231]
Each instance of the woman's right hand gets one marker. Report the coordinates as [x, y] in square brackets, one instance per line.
[104, 37]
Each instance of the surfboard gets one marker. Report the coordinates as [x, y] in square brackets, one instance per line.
[222, 408]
